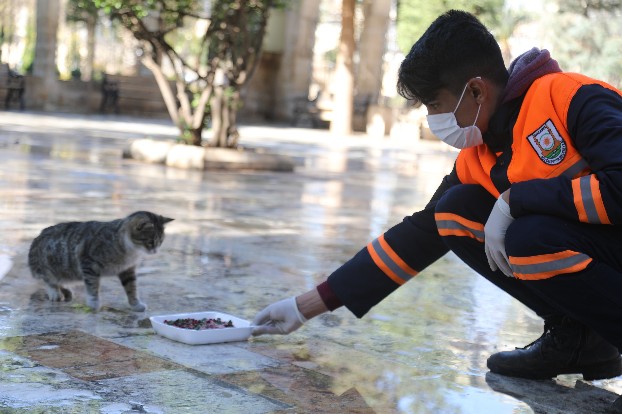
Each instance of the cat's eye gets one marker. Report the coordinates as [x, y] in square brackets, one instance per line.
[145, 226]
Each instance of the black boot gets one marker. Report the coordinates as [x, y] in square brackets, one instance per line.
[565, 347]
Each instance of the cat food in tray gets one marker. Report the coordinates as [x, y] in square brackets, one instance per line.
[202, 327]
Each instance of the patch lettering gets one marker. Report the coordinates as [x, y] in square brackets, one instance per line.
[548, 143]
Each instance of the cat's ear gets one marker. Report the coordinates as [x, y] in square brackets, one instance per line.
[166, 219]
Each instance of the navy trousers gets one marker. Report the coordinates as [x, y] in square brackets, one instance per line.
[591, 295]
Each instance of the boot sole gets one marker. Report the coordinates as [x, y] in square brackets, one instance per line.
[607, 370]
[602, 370]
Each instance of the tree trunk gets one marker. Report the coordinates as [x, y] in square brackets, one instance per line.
[165, 89]
[224, 111]
[200, 112]
[232, 114]
[341, 122]
[196, 136]
[90, 46]
[219, 121]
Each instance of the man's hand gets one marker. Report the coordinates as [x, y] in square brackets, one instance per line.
[494, 233]
[282, 317]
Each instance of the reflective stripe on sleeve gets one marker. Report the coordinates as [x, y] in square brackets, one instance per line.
[588, 200]
[576, 168]
[389, 262]
[450, 224]
[545, 266]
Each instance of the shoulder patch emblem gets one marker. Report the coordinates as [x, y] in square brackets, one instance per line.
[548, 143]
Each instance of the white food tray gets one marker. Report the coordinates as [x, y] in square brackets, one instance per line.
[241, 330]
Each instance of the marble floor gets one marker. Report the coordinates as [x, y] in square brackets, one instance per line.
[241, 240]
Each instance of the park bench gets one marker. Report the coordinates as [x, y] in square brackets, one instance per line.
[131, 95]
[306, 111]
[12, 87]
[318, 112]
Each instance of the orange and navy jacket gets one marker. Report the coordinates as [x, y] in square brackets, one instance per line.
[558, 146]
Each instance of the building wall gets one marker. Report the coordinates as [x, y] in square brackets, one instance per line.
[285, 71]
[293, 68]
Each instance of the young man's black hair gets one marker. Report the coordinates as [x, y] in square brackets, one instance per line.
[455, 48]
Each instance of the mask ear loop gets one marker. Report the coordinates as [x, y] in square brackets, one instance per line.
[462, 96]
[479, 107]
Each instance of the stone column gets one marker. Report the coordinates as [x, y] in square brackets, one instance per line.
[372, 47]
[295, 74]
[343, 81]
[371, 116]
[44, 65]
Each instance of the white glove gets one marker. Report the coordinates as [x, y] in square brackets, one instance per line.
[282, 317]
[494, 233]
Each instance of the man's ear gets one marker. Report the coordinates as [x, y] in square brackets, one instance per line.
[479, 89]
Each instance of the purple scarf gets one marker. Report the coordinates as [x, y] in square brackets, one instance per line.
[525, 69]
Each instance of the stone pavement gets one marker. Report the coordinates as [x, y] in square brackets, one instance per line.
[241, 240]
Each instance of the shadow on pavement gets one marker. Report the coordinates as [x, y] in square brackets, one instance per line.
[551, 397]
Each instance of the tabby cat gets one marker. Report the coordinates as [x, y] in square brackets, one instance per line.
[91, 249]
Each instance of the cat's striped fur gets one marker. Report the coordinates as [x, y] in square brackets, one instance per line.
[91, 249]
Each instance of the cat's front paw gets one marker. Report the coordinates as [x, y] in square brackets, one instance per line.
[54, 294]
[138, 306]
[93, 304]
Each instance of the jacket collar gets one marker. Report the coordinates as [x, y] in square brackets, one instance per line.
[525, 69]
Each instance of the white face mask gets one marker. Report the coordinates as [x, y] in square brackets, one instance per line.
[445, 126]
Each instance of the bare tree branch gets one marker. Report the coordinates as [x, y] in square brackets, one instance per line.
[231, 45]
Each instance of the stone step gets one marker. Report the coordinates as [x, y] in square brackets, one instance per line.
[205, 158]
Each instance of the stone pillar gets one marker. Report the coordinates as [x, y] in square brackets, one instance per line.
[294, 77]
[343, 80]
[44, 65]
[371, 117]
[372, 46]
